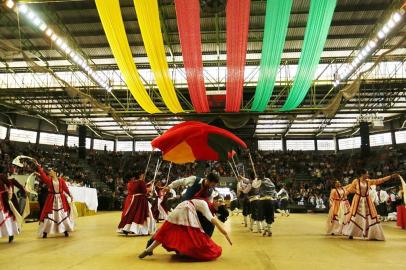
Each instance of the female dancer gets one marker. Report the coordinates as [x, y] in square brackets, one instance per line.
[55, 216]
[183, 233]
[8, 206]
[339, 214]
[137, 217]
[364, 220]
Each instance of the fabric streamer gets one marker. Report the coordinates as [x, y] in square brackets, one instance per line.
[150, 27]
[30, 183]
[276, 28]
[238, 15]
[318, 23]
[112, 21]
[188, 18]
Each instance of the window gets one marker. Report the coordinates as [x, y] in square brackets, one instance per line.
[125, 146]
[380, 139]
[400, 136]
[99, 145]
[304, 145]
[270, 145]
[88, 143]
[143, 146]
[51, 139]
[326, 145]
[3, 132]
[349, 143]
[20, 135]
[72, 141]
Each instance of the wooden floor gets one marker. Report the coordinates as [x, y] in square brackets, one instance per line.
[298, 243]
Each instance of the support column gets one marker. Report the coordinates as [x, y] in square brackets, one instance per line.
[82, 142]
[284, 144]
[392, 133]
[364, 132]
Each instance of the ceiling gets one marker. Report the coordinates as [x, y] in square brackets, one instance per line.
[354, 23]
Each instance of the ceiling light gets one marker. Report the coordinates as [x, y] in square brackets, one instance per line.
[109, 89]
[64, 46]
[391, 23]
[54, 37]
[397, 17]
[37, 21]
[68, 50]
[364, 52]
[72, 54]
[10, 4]
[371, 44]
[31, 15]
[359, 57]
[49, 32]
[23, 9]
[386, 29]
[381, 34]
[58, 42]
[43, 26]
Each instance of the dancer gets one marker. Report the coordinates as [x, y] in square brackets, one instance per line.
[243, 188]
[55, 216]
[9, 225]
[183, 233]
[161, 201]
[256, 215]
[364, 221]
[339, 214]
[267, 194]
[283, 195]
[198, 187]
[137, 216]
[382, 203]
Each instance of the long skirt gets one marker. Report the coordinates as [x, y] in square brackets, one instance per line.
[363, 225]
[188, 241]
[8, 225]
[57, 221]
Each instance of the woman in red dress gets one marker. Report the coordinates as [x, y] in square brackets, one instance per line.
[8, 223]
[137, 216]
[55, 216]
[183, 233]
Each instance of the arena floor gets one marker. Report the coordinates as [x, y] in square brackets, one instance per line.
[298, 243]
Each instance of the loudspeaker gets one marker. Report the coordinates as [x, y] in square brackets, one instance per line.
[364, 133]
[82, 142]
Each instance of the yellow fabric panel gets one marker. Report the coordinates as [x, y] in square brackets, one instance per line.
[112, 21]
[148, 20]
[182, 153]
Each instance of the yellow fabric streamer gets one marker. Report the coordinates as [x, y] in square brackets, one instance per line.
[112, 21]
[148, 20]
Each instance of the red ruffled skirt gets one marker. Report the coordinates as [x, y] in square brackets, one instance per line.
[188, 241]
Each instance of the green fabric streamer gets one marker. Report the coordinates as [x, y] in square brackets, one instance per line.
[276, 27]
[318, 23]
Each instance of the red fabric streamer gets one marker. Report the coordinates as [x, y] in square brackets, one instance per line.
[238, 14]
[188, 18]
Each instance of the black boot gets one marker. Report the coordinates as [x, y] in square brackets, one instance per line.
[66, 233]
[10, 238]
[44, 235]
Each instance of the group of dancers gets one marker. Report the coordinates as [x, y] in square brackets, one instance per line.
[360, 219]
[56, 215]
[188, 227]
[259, 200]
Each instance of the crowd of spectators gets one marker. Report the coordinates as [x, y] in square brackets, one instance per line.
[308, 176]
